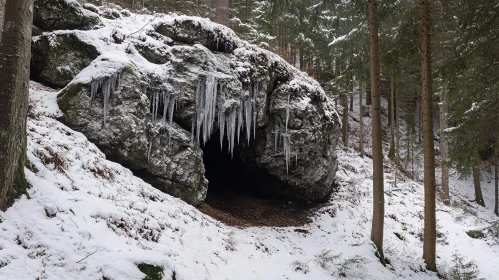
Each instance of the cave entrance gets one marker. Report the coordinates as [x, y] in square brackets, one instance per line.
[233, 192]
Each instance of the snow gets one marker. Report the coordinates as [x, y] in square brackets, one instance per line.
[88, 217]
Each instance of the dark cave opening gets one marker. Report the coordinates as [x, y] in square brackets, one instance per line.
[224, 171]
[236, 191]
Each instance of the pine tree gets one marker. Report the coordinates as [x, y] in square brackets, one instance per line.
[377, 148]
[222, 10]
[429, 242]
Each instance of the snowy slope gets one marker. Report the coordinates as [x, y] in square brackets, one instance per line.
[89, 218]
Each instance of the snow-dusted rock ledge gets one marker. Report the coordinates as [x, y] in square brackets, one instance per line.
[162, 86]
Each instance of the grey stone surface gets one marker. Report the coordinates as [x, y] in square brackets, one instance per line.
[173, 55]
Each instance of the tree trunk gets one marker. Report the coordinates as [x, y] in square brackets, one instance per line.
[15, 52]
[222, 16]
[361, 123]
[476, 182]
[302, 50]
[378, 188]
[345, 120]
[391, 153]
[368, 97]
[496, 183]
[351, 103]
[444, 147]
[429, 243]
[397, 130]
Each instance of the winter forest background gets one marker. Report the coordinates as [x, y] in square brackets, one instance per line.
[249, 139]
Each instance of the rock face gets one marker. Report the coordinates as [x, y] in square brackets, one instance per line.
[152, 100]
[56, 60]
[129, 136]
[62, 15]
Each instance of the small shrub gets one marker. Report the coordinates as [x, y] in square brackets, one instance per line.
[301, 266]
[475, 234]
[325, 258]
[352, 267]
[493, 230]
[152, 272]
[55, 158]
[461, 269]
[230, 242]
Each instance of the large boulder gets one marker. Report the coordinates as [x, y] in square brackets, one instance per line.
[121, 126]
[57, 58]
[63, 15]
[183, 80]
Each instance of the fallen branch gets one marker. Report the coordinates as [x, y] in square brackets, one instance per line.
[73, 222]
[87, 256]
[143, 26]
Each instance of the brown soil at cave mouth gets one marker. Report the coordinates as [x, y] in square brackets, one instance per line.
[237, 208]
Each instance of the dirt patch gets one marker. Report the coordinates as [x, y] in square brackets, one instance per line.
[238, 208]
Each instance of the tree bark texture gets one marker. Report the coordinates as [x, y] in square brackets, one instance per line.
[377, 149]
[397, 131]
[478, 188]
[429, 242]
[15, 52]
[391, 153]
[222, 16]
[361, 123]
[444, 146]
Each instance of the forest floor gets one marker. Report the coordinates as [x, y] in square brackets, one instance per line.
[89, 218]
[242, 209]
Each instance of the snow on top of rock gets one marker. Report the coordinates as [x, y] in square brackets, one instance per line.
[134, 29]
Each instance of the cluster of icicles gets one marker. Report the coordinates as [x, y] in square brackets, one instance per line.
[210, 103]
[209, 98]
[107, 86]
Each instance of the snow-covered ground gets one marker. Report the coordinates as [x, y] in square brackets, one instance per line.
[89, 218]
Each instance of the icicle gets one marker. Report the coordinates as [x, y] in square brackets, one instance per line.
[231, 130]
[287, 111]
[94, 88]
[199, 106]
[155, 104]
[247, 113]
[286, 140]
[255, 92]
[108, 86]
[166, 101]
[239, 119]
[221, 121]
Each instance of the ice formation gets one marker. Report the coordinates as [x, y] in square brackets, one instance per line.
[282, 131]
[210, 102]
[210, 98]
[210, 105]
[163, 97]
[107, 85]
